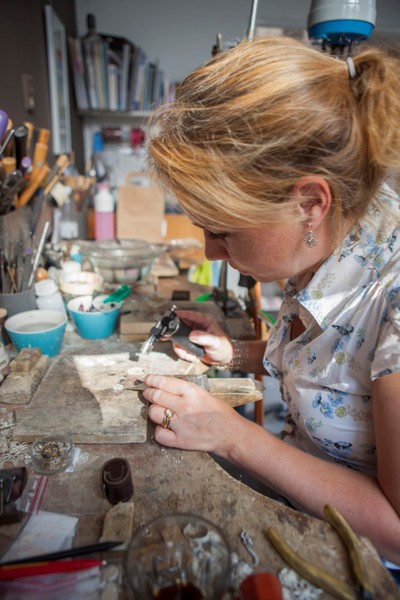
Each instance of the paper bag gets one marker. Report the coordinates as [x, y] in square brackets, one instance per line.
[140, 209]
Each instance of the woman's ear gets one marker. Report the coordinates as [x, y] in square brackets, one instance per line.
[314, 198]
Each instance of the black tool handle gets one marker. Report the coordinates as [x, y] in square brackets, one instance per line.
[181, 337]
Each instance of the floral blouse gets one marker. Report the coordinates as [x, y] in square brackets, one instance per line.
[351, 314]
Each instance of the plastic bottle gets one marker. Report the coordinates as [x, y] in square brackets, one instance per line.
[104, 216]
[98, 168]
[48, 296]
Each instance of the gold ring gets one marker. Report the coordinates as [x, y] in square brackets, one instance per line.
[168, 414]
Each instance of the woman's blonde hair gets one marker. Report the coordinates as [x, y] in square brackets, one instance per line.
[253, 120]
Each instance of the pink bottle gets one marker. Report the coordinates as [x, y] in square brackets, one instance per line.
[104, 215]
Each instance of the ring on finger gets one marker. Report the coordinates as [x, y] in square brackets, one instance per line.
[168, 414]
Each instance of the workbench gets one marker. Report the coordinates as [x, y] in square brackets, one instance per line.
[168, 480]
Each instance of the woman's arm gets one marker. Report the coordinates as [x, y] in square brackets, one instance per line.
[371, 506]
[386, 411]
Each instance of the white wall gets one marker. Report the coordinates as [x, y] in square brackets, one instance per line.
[181, 33]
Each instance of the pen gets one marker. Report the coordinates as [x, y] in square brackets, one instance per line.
[72, 552]
[14, 571]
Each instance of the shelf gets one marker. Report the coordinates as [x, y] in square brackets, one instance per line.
[119, 115]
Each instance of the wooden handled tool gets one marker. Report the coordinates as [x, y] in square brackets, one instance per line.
[44, 136]
[39, 157]
[9, 164]
[56, 172]
[37, 179]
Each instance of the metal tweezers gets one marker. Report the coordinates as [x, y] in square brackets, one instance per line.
[334, 586]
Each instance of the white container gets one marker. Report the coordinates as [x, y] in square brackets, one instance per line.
[48, 296]
[104, 215]
[70, 266]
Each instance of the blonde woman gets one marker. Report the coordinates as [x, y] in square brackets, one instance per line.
[280, 153]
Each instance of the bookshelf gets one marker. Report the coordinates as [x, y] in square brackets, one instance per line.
[119, 156]
[117, 115]
[116, 87]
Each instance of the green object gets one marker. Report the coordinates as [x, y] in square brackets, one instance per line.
[118, 295]
[267, 316]
[203, 273]
[203, 298]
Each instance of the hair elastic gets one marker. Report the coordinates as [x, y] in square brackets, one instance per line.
[351, 67]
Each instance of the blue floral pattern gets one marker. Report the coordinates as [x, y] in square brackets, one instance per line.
[351, 314]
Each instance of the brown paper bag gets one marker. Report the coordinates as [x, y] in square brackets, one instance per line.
[140, 209]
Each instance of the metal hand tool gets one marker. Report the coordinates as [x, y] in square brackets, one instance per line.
[331, 584]
[170, 326]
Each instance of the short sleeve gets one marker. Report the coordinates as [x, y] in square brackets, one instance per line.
[386, 359]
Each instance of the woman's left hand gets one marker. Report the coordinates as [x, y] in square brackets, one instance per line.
[200, 421]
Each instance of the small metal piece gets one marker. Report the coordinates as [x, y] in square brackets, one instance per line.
[51, 450]
[248, 544]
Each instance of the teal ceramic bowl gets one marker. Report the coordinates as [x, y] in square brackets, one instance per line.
[42, 329]
[93, 319]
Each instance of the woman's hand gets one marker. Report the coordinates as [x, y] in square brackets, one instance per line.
[199, 421]
[207, 333]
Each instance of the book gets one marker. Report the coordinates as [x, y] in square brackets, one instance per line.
[138, 93]
[78, 73]
[119, 52]
[137, 52]
[100, 63]
[113, 86]
[90, 74]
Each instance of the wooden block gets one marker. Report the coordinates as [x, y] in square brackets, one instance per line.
[25, 360]
[118, 523]
[19, 386]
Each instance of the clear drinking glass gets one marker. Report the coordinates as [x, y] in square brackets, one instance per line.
[178, 556]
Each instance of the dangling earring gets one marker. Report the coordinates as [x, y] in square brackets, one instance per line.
[310, 238]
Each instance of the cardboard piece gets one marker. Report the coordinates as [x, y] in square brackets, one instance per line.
[140, 209]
